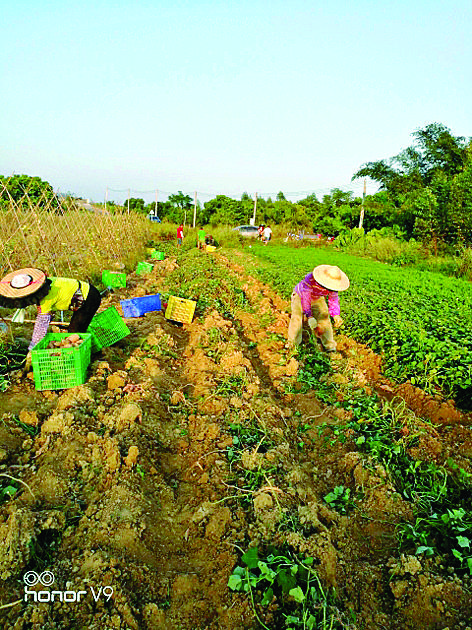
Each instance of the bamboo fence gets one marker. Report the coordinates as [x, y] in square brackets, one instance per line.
[64, 239]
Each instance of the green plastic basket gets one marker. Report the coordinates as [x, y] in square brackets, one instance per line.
[158, 255]
[60, 368]
[144, 267]
[107, 328]
[114, 279]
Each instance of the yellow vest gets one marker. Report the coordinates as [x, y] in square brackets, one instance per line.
[60, 294]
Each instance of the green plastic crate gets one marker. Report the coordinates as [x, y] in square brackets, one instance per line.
[114, 279]
[107, 328]
[144, 267]
[158, 255]
[60, 368]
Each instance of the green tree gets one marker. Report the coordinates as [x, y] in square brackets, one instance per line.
[438, 150]
[224, 210]
[459, 204]
[182, 204]
[423, 183]
[135, 204]
[27, 191]
[380, 211]
[435, 149]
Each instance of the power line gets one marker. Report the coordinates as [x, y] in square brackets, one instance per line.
[353, 187]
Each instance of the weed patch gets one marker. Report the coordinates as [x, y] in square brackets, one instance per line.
[291, 587]
[12, 357]
[440, 494]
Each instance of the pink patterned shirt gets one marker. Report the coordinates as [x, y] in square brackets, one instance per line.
[309, 291]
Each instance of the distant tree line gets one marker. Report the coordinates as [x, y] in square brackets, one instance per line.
[336, 212]
[425, 192]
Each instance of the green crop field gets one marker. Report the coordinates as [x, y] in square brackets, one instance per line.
[421, 322]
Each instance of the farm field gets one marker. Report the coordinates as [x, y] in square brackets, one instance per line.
[213, 481]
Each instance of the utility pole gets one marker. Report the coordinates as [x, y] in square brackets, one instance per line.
[195, 209]
[106, 199]
[129, 195]
[155, 206]
[255, 209]
[361, 218]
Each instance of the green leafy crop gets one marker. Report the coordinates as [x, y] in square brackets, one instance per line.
[294, 584]
[419, 321]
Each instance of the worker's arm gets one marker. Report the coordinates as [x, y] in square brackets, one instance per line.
[40, 328]
[306, 299]
[333, 304]
[334, 309]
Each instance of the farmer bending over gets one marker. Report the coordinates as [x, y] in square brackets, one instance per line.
[308, 299]
[21, 288]
[209, 240]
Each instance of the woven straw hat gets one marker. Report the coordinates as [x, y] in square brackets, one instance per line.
[331, 277]
[20, 283]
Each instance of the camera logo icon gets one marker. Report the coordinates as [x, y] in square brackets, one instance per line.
[31, 578]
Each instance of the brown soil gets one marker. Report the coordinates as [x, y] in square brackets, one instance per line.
[129, 483]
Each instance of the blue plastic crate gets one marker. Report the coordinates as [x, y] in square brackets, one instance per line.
[137, 307]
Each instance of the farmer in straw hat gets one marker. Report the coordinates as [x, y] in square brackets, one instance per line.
[24, 287]
[308, 299]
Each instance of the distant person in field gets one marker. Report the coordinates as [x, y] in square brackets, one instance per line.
[201, 238]
[180, 234]
[24, 287]
[308, 298]
[260, 232]
[267, 235]
[209, 240]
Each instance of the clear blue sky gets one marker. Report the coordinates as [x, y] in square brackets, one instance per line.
[225, 97]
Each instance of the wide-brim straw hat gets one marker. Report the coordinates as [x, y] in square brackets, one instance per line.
[22, 282]
[331, 277]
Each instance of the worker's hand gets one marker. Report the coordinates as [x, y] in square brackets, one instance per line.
[313, 324]
[338, 321]
[28, 362]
